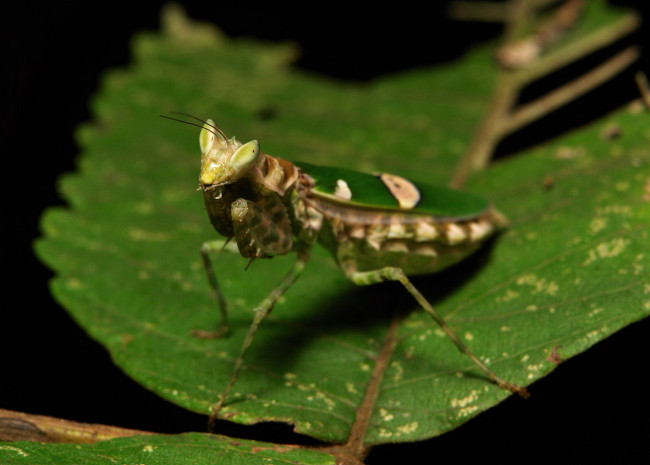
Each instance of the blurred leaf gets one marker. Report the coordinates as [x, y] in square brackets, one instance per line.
[163, 449]
[572, 269]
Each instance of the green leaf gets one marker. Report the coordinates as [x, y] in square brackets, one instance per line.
[572, 268]
[162, 449]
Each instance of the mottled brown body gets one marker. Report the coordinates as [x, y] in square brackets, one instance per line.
[364, 240]
[270, 207]
[360, 239]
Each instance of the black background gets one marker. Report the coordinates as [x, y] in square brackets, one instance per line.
[593, 406]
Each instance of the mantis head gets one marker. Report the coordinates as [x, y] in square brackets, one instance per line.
[223, 160]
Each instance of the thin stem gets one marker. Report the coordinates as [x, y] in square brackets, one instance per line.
[579, 48]
[644, 88]
[501, 117]
[18, 426]
[525, 114]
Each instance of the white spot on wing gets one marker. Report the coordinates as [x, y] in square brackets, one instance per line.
[405, 192]
[343, 190]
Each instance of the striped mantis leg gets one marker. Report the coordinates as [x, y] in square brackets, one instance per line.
[390, 273]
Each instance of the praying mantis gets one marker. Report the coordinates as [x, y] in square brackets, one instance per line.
[377, 227]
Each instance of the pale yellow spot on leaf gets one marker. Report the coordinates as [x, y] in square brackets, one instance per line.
[597, 225]
[138, 234]
[466, 411]
[385, 415]
[143, 207]
[15, 449]
[509, 295]
[398, 371]
[330, 404]
[143, 275]
[607, 249]
[569, 153]
[409, 428]
[539, 285]
[595, 311]
[384, 433]
[74, 283]
[622, 186]
[463, 402]
[623, 210]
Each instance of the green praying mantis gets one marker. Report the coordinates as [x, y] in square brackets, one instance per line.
[377, 227]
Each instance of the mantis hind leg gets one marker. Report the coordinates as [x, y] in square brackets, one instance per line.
[396, 274]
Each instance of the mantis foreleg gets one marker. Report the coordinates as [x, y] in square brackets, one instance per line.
[206, 249]
[261, 311]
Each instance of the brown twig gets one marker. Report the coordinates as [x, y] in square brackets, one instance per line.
[18, 426]
[535, 110]
[503, 117]
[644, 88]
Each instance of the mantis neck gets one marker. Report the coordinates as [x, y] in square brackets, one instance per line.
[277, 174]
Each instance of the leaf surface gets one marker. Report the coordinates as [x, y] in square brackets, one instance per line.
[571, 269]
[196, 449]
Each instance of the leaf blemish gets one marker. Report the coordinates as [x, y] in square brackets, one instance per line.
[597, 225]
[538, 285]
[138, 234]
[423, 336]
[464, 404]
[74, 283]
[143, 275]
[410, 428]
[385, 415]
[15, 449]
[509, 295]
[595, 311]
[607, 249]
[399, 371]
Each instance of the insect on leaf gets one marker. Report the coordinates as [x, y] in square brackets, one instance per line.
[571, 269]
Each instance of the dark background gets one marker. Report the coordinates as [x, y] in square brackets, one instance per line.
[593, 406]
